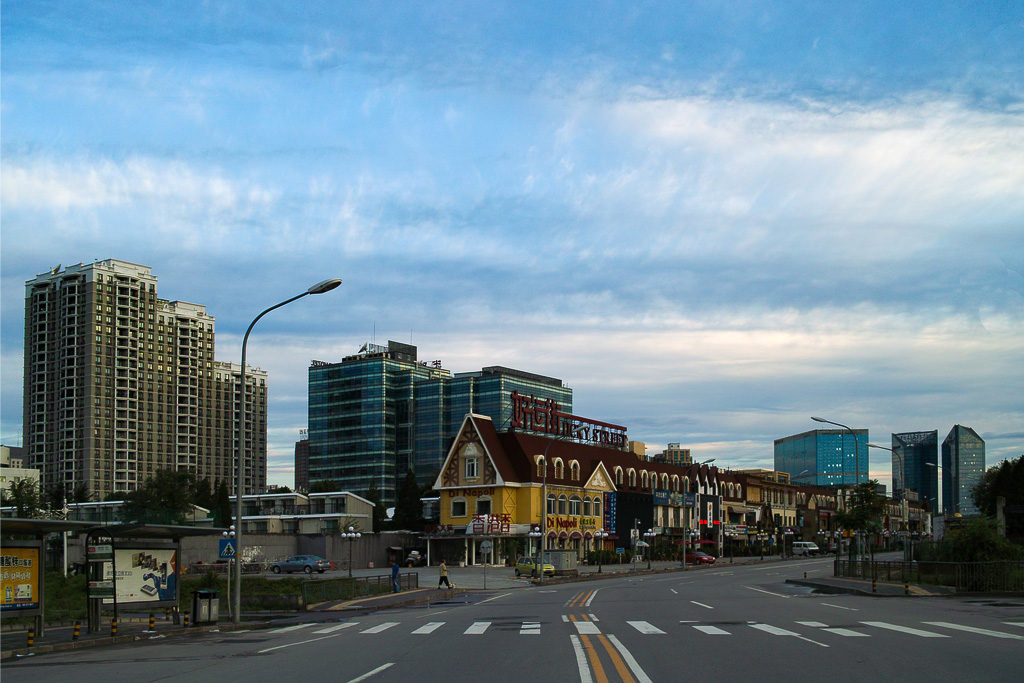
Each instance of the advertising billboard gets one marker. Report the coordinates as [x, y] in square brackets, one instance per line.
[19, 585]
[144, 574]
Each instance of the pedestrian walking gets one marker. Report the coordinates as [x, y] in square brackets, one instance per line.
[394, 577]
[443, 575]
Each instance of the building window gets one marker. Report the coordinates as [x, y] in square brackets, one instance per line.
[458, 507]
[483, 505]
[551, 504]
[597, 506]
[574, 470]
[575, 506]
[472, 468]
[540, 466]
[559, 468]
[644, 479]
[632, 478]
[563, 504]
[618, 476]
[588, 509]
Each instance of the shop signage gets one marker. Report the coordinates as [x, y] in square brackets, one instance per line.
[491, 525]
[609, 512]
[143, 575]
[100, 553]
[19, 578]
[545, 415]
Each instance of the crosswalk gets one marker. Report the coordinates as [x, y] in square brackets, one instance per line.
[588, 625]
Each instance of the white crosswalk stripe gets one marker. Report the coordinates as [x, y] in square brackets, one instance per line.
[774, 630]
[477, 628]
[586, 628]
[645, 627]
[293, 627]
[429, 628]
[712, 630]
[834, 629]
[530, 628]
[974, 629]
[905, 629]
[381, 627]
[336, 627]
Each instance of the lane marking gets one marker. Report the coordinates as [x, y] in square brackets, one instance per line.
[380, 627]
[586, 628]
[838, 631]
[617, 662]
[778, 595]
[593, 595]
[1014, 623]
[852, 609]
[530, 628]
[293, 627]
[301, 642]
[495, 598]
[565, 618]
[674, 591]
[633, 665]
[645, 627]
[581, 660]
[595, 661]
[905, 629]
[815, 624]
[974, 629]
[593, 617]
[702, 604]
[429, 628]
[336, 627]
[775, 630]
[371, 673]
[712, 630]
[477, 628]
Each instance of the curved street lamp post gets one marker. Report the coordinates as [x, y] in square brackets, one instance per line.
[318, 288]
[856, 477]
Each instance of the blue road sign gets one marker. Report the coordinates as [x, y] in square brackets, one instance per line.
[227, 549]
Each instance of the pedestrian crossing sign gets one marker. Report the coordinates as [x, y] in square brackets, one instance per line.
[227, 549]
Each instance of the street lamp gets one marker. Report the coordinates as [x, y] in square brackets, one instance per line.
[856, 465]
[649, 535]
[600, 535]
[352, 536]
[538, 535]
[318, 288]
[230, 533]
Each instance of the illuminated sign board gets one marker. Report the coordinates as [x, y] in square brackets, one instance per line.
[144, 575]
[19, 585]
[544, 415]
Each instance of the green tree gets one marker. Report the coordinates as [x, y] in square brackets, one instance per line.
[222, 512]
[203, 494]
[323, 486]
[975, 540]
[408, 508]
[1006, 480]
[23, 496]
[372, 494]
[864, 509]
[165, 498]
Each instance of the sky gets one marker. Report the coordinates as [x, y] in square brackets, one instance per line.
[712, 220]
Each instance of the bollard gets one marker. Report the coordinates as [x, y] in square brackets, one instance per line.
[167, 614]
[152, 622]
[31, 637]
[113, 627]
[805, 575]
[906, 588]
[874, 586]
[76, 631]
[186, 618]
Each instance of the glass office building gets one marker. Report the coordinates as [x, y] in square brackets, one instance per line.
[963, 465]
[381, 412]
[824, 457]
[914, 459]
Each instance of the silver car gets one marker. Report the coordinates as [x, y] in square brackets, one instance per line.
[301, 563]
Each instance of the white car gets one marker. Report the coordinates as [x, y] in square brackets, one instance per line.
[804, 548]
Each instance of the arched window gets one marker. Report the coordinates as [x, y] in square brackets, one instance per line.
[551, 504]
[563, 504]
[675, 483]
[686, 484]
[559, 468]
[540, 465]
[574, 470]
[588, 509]
[483, 505]
[597, 506]
[643, 479]
[575, 506]
[618, 476]
[632, 477]
[664, 481]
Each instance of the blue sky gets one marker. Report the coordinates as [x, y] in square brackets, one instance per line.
[711, 219]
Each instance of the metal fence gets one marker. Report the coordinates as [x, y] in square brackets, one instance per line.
[314, 592]
[965, 577]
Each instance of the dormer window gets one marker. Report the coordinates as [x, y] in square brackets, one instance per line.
[472, 467]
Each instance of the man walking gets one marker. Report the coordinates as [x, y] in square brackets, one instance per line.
[443, 575]
[394, 577]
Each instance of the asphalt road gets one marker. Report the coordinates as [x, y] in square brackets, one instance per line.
[729, 623]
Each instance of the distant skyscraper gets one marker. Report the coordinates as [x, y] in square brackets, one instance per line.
[674, 455]
[381, 412]
[119, 384]
[302, 463]
[824, 457]
[963, 465]
[914, 460]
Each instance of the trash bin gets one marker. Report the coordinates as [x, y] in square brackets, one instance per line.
[205, 607]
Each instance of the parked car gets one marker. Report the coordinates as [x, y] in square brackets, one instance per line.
[804, 548]
[416, 559]
[699, 557]
[301, 563]
[528, 566]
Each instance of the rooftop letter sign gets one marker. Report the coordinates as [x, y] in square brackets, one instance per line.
[544, 415]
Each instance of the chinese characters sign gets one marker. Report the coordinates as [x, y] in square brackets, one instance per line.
[544, 415]
[19, 586]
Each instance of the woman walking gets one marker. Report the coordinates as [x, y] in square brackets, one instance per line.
[443, 575]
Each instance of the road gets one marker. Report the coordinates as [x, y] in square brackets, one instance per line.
[729, 623]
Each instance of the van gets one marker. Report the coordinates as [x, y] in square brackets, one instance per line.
[804, 548]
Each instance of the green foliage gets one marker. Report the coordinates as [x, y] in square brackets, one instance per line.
[974, 540]
[165, 498]
[864, 508]
[222, 512]
[24, 497]
[1006, 480]
[323, 486]
[372, 494]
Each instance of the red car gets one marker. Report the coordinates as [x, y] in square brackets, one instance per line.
[699, 557]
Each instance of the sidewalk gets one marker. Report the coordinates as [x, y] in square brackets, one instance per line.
[879, 590]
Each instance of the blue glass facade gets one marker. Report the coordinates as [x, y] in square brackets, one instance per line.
[914, 459]
[824, 457]
[963, 465]
[381, 412]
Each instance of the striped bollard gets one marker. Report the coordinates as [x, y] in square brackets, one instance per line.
[77, 630]
[113, 627]
[152, 622]
[874, 586]
[31, 637]
[167, 614]
[186, 618]
[906, 588]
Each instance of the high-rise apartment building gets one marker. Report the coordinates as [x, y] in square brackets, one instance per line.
[381, 412]
[674, 454]
[302, 463]
[824, 457]
[963, 466]
[914, 459]
[119, 383]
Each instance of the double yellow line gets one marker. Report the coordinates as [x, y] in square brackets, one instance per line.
[594, 656]
[581, 598]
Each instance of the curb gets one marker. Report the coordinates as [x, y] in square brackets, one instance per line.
[917, 591]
